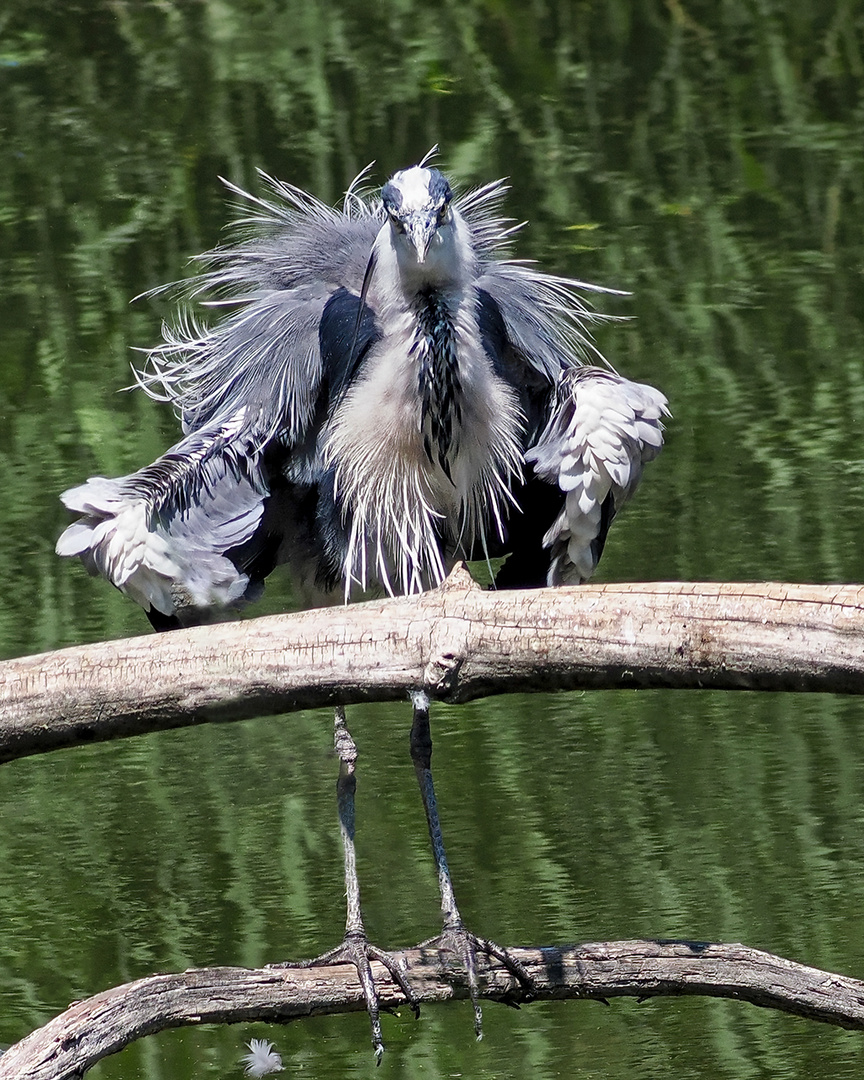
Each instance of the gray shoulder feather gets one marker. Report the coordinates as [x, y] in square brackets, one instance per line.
[275, 281]
[546, 317]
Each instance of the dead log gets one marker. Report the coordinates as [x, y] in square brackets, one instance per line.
[101, 1025]
[458, 642]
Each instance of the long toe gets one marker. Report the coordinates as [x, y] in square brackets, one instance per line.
[465, 946]
[357, 950]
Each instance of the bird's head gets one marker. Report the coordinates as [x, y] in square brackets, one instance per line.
[417, 203]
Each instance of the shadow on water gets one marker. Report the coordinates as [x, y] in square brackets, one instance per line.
[708, 159]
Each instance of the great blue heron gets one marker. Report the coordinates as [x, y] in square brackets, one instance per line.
[387, 393]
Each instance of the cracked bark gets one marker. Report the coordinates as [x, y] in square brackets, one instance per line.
[101, 1025]
[457, 642]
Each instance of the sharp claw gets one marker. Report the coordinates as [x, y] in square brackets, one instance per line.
[465, 945]
[514, 967]
[478, 1021]
[396, 975]
[357, 951]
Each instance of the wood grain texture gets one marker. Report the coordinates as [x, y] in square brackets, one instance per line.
[101, 1025]
[458, 642]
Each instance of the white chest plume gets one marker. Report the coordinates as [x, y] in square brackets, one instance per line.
[426, 442]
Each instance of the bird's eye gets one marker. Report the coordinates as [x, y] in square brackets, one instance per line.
[395, 221]
[443, 214]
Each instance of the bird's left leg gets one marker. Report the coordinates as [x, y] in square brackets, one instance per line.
[454, 938]
[356, 948]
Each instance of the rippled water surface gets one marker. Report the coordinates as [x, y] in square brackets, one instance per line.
[706, 158]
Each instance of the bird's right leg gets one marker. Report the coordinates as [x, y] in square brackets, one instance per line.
[356, 948]
[454, 938]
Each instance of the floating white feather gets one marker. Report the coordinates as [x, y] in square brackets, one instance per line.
[261, 1059]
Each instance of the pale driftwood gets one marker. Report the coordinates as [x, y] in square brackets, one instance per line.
[89, 1030]
[459, 642]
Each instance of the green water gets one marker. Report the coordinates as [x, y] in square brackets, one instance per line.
[705, 157]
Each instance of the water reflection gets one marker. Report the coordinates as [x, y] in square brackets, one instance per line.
[595, 816]
[708, 161]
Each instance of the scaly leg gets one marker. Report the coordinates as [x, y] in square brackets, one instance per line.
[454, 937]
[356, 948]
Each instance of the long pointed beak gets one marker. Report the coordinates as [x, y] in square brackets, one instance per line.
[420, 229]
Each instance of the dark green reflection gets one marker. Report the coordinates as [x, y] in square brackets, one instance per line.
[706, 157]
[582, 817]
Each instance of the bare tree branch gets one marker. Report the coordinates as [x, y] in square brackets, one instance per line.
[458, 642]
[92, 1029]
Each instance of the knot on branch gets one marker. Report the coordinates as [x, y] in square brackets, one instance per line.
[441, 677]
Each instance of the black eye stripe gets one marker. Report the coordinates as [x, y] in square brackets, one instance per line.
[391, 196]
[438, 186]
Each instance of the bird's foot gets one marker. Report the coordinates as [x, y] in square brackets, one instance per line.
[464, 945]
[356, 949]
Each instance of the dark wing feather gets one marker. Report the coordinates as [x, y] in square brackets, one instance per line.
[346, 333]
[532, 384]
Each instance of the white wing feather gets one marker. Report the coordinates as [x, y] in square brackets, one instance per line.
[602, 431]
[160, 534]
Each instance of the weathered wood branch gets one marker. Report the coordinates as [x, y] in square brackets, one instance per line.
[458, 642]
[101, 1025]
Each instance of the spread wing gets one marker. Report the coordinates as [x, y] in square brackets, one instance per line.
[602, 431]
[589, 431]
[195, 530]
[160, 534]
